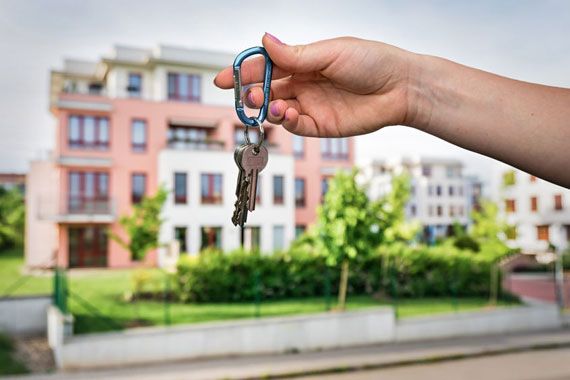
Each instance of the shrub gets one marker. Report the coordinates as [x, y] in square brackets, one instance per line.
[419, 271]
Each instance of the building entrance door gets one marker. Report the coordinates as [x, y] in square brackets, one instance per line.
[87, 246]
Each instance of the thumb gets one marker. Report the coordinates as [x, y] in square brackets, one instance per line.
[299, 58]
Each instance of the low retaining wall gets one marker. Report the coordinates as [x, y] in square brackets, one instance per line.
[24, 315]
[499, 321]
[277, 335]
[267, 335]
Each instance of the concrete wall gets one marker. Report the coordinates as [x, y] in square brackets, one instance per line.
[270, 335]
[24, 315]
[498, 321]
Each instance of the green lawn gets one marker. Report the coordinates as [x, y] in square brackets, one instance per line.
[9, 366]
[14, 282]
[98, 301]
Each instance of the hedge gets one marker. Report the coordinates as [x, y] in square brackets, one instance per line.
[395, 270]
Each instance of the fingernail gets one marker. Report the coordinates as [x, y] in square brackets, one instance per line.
[273, 38]
[250, 98]
[274, 109]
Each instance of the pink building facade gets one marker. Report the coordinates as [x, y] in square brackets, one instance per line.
[124, 125]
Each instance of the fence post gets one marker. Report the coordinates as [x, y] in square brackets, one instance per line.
[257, 293]
[394, 285]
[60, 290]
[166, 302]
[327, 289]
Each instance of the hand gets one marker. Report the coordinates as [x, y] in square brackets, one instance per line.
[332, 88]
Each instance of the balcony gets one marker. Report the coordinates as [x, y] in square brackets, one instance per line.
[195, 144]
[77, 209]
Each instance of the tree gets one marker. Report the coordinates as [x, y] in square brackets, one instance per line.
[12, 218]
[346, 226]
[142, 226]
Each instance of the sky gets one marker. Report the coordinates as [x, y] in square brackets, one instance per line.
[526, 40]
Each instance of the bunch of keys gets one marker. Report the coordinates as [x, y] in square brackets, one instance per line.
[250, 158]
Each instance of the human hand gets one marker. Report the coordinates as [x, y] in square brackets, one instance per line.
[332, 88]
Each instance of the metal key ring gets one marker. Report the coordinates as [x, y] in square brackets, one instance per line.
[261, 135]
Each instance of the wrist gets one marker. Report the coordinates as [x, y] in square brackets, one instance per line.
[423, 72]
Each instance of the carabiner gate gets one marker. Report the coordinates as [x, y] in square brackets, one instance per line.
[247, 120]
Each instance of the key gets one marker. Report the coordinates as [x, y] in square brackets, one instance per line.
[240, 208]
[253, 163]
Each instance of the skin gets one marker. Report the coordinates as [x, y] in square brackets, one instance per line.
[348, 86]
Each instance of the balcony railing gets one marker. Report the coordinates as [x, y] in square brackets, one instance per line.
[195, 144]
[78, 209]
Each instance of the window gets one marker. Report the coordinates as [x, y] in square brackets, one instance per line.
[278, 191]
[439, 210]
[452, 210]
[138, 135]
[138, 187]
[430, 190]
[239, 137]
[278, 238]
[184, 87]
[542, 232]
[558, 202]
[453, 172]
[180, 236]
[134, 86]
[334, 149]
[324, 187]
[252, 238]
[511, 232]
[88, 192]
[180, 188]
[95, 88]
[299, 192]
[211, 189]
[461, 211]
[509, 178]
[534, 204]
[426, 171]
[211, 237]
[298, 146]
[510, 205]
[451, 190]
[88, 132]
[413, 210]
[438, 190]
[299, 230]
[430, 210]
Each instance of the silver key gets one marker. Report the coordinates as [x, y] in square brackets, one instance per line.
[252, 164]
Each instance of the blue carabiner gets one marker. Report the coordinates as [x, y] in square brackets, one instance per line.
[252, 121]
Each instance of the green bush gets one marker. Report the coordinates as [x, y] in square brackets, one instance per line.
[396, 269]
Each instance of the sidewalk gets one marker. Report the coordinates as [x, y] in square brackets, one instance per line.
[369, 357]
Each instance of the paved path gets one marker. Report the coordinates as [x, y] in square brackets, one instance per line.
[533, 365]
[369, 357]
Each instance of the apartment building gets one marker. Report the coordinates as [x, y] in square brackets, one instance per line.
[440, 194]
[538, 211]
[139, 118]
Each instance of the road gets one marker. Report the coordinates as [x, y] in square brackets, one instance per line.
[532, 365]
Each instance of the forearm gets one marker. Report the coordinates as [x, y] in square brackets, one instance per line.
[525, 125]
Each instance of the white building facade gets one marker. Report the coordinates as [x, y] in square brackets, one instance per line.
[538, 211]
[440, 194]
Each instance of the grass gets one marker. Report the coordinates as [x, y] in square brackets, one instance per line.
[14, 282]
[8, 365]
[98, 300]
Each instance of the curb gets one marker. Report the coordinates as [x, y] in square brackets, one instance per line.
[409, 362]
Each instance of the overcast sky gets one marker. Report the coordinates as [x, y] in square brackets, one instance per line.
[527, 40]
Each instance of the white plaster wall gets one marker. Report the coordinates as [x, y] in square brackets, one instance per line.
[194, 215]
[268, 335]
[24, 315]
[500, 321]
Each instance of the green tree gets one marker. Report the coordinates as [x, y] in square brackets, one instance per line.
[142, 226]
[12, 218]
[346, 226]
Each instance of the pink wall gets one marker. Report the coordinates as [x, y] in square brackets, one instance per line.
[125, 161]
[310, 167]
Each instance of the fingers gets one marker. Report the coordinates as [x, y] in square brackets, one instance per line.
[303, 125]
[281, 89]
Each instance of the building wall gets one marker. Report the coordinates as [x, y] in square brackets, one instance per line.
[193, 215]
[525, 219]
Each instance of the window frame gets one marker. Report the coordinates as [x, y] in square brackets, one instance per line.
[180, 199]
[279, 200]
[301, 202]
[135, 199]
[211, 198]
[80, 142]
[139, 147]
